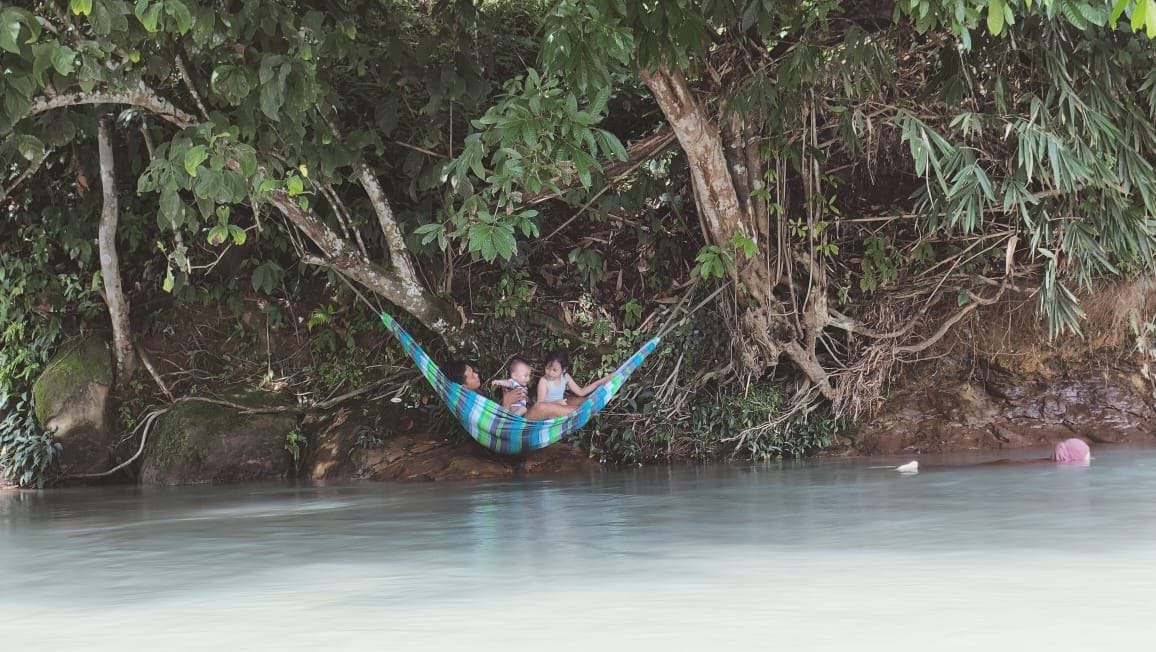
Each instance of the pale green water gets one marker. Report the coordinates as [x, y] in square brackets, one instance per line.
[825, 556]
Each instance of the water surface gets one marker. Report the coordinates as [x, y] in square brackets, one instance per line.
[827, 555]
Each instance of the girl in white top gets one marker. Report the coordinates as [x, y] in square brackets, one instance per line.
[555, 381]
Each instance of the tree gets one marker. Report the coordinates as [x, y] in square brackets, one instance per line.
[241, 123]
[784, 112]
[241, 112]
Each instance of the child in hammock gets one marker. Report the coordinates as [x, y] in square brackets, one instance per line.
[556, 380]
[519, 380]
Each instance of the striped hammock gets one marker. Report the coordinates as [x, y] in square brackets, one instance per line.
[499, 429]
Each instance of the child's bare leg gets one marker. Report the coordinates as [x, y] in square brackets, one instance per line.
[549, 411]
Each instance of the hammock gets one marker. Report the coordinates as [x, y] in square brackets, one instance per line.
[499, 429]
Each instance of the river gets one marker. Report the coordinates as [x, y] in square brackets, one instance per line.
[818, 555]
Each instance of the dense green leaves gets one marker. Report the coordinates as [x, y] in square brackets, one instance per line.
[1069, 169]
[26, 450]
[492, 240]
[538, 138]
[962, 16]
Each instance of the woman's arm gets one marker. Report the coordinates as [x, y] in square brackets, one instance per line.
[512, 396]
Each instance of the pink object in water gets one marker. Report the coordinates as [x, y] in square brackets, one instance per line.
[1072, 450]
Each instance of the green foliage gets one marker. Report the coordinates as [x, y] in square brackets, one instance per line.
[536, 139]
[715, 261]
[593, 54]
[963, 16]
[590, 264]
[508, 296]
[274, 78]
[295, 444]
[368, 438]
[340, 368]
[631, 313]
[320, 316]
[880, 265]
[750, 418]
[46, 276]
[26, 450]
[267, 277]
[1074, 176]
[718, 423]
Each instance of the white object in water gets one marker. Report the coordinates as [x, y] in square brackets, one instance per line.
[910, 467]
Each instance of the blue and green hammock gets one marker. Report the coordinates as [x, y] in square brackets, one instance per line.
[499, 429]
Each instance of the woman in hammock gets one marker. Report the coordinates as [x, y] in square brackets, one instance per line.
[463, 373]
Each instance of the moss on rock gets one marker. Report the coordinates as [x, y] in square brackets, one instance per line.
[197, 442]
[72, 398]
[69, 374]
[183, 431]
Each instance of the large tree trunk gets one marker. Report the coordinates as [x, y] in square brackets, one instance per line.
[722, 186]
[118, 308]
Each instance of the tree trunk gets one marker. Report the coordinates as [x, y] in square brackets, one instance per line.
[118, 308]
[722, 187]
[407, 294]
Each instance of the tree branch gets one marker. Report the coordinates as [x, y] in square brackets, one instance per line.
[189, 85]
[407, 294]
[145, 358]
[394, 242]
[118, 309]
[143, 96]
[976, 302]
[147, 424]
[32, 168]
[290, 409]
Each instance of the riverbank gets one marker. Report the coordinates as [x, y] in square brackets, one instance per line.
[998, 383]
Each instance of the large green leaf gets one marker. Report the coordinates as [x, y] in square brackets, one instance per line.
[63, 60]
[193, 159]
[9, 31]
[30, 147]
[995, 17]
[180, 13]
[172, 208]
[148, 13]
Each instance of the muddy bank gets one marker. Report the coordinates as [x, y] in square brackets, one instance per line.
[1000, 382]
[368, 443]
[1008, 413]
[997, 384]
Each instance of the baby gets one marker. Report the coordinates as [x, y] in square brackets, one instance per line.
[520, 372]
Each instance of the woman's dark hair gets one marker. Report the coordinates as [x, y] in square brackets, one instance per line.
[561, 356]
[455, 370]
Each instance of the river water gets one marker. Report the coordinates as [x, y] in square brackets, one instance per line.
[828, 555]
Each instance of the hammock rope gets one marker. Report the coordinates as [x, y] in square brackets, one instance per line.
[497, 428]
